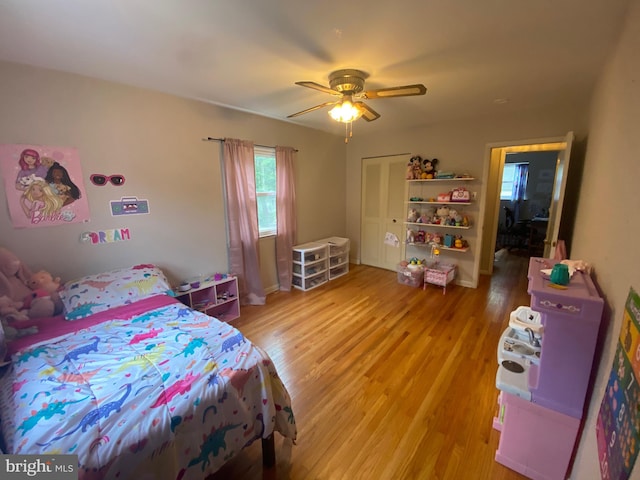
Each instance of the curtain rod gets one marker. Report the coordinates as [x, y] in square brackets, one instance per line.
[212, 139]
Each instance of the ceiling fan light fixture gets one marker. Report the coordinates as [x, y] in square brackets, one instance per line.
[346, 112]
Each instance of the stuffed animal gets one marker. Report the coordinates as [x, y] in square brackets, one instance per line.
[409, 174]
[428, 169]
[416, 165]
[40, 304]
[443, 213]
[10, 310]
[412, 216]
[14, 276]
[44, 281]
[410, 236]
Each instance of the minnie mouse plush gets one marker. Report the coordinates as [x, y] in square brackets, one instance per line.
[416, 168]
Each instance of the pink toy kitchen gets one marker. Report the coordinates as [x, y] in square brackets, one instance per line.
[545, 357]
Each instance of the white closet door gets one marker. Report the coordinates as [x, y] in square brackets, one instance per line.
[383, 209]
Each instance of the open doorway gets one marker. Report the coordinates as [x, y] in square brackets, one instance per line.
[525, 202]
[547, 230]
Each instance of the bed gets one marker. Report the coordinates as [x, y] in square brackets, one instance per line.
[136, 384]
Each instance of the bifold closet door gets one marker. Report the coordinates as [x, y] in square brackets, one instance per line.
[383, 210]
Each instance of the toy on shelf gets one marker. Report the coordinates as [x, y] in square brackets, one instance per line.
[460, 194]
[414, 168]
[429, 169]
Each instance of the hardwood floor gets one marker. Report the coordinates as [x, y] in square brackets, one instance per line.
[387, 381]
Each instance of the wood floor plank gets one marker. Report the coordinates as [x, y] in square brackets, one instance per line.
[387, 381]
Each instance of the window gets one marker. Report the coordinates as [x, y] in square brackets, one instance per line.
[265, 167]
[514, 181]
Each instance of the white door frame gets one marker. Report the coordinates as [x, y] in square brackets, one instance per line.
[494, 162]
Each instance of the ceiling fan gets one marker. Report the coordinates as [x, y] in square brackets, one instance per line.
[348, 84]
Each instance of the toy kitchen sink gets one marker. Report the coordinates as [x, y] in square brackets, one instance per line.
[519, 347]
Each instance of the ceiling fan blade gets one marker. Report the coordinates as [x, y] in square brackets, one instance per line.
[403, 91]
[317, 86]
[317, 107]
[368, 113]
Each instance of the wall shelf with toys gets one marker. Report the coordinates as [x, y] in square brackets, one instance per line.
[439, 205]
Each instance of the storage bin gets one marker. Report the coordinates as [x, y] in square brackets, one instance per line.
[338, 255]
[440, 274]
[412, 276]
[337, 245]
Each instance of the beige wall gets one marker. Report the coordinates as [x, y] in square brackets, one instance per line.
[607, 227]
[155, 140]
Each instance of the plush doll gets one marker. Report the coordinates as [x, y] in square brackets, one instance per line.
[416, 165]
[409, 174]
[412, 216]
[43, 281]
[39, 304]
[410, 236]
[428, 169]
[10, 310]
[14, 276]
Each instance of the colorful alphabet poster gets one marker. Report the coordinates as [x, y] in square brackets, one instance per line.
[43, 185]
[618, 426]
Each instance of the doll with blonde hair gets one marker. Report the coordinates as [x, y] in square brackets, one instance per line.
[39, 199]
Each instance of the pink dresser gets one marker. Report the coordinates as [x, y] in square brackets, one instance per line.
[541, 408]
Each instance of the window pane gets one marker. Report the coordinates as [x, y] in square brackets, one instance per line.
[265, 168]
[267, 213]
[265, 174]
[508, 176]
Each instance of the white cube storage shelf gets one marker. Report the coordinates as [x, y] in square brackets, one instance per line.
[315, 263]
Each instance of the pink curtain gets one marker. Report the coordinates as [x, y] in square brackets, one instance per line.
[242, 219]
[286, 208]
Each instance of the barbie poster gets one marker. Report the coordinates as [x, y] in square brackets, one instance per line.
[43, 185]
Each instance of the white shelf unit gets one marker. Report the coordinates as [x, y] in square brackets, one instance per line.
[418, 194]
[216, 298]
[310, 265]
[338, 256]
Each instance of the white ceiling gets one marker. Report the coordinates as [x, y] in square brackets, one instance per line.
[247, 54]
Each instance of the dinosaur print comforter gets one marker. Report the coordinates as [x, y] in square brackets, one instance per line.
[169, 394]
